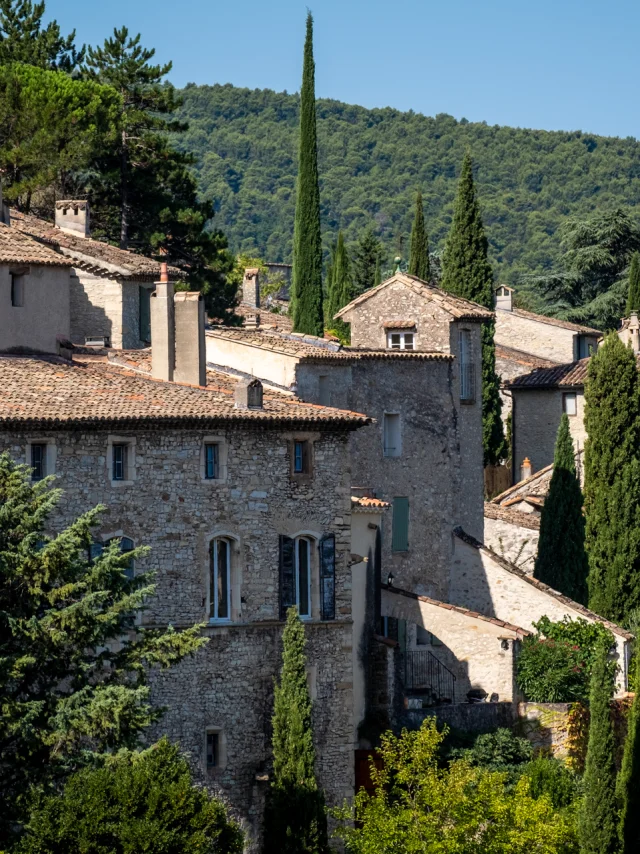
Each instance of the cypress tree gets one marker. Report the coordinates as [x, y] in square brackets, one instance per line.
[562, 561]
[466, 272]
[295, 819]
[612, 480]
[340, 287]
[629, 777]
[307, 247]
[633, 298]
[597, 820]
[419, 246]
[377, 278]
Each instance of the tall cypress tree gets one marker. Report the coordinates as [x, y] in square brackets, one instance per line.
[629, 777]
[633, 297]
[612, 480]
[419, 246]
[307, 246]
[597, 821]
[466, 272]
[340, 287]
[295, 819]
[562, 560]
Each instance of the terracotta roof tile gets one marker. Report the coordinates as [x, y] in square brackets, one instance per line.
[372, 504]
[572, 375]
[51, 391]
[536, 484]
[459, 308]
[399, 324]
[513, 517]
[554, 321]
[18, 248]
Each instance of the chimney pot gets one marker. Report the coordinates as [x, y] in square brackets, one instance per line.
[248, 394]
[504, 298]
[72, 217]
[526, 469]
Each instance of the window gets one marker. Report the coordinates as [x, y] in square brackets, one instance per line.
[126, 546]
[400, 525]
[570, 403]
[400, 340]
[392, 442]
[584, 346]
[17, 290]
[220, 581]
[301, 462]
[119, 462]
[467, 368]
[38, 461]
[211, 461]
[324, 392]
[303, 576]
[213, 750]
[300, 563]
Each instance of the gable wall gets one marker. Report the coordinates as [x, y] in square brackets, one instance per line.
[537, 414]
[533, 336]
[45, 315]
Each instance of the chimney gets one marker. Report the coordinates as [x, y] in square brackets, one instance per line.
[190, 347]
[634, 332]
[251, 287]
[248, 394]
[526, 469]
[163, 335]
[504, 298]
[72, 217]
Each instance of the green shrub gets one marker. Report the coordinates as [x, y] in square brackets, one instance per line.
[498, 751]
[551, 777]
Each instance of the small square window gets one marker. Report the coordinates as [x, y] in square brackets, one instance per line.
[570, 404]
[213, 750]
[212, 461]
[400, 340]
[120, 459]
[38, 461]
[17, 290]
[301, 462]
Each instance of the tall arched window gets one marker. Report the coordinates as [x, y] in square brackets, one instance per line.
[220, 579]
[303, 576]
[126, 546]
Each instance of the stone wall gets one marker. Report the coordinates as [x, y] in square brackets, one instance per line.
[105, 307]
[44, 315]
[536, 421]
[168, 506]
[535, 336]
[518, 544]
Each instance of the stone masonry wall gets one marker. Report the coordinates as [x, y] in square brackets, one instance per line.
[168, 506]
[517, 544]
[536, 421]
[535, 336]
[43, 316]
[96, 308]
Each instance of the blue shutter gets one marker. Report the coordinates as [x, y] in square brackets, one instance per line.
[400, 525]
[328, 576]
[287, 576]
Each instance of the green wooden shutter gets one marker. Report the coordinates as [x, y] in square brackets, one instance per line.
[145, 314]
[328, 576]
[287, 575]
[400, 525]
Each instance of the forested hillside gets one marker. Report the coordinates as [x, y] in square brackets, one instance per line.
[373, 161]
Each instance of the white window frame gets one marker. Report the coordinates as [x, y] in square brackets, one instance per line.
[308, 542]
[214, 573]
[51, 454]
[130, 474]
[574, 397]
[402, 340]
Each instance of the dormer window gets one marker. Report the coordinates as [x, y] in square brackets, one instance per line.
[400, 340]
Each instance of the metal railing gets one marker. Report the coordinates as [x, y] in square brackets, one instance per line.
[424, 672]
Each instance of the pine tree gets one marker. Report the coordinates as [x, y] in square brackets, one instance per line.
[466, 272]
[67, 694]
[295, 820]
[419, 246]
[24, 39]
[633, 298]
[562, 560]
[597, 821]
[612, 480]
[366, 260]
[377, 278]
[306, 288]
[629, 777]
[340, 291]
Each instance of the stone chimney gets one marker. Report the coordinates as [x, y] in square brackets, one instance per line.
[526, 469]
[630, 332]
[73, 217]
[163, 335]
[504, 298]
[251, 287]
[190, 347]
[248, 394]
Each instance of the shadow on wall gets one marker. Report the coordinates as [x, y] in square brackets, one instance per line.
[87, 319]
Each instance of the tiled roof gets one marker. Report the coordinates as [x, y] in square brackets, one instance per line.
[518, 630]
[48, 391]
[513, 517]
[90, 253]
[372, 505]
[522, 358]
[536, 484]
[18, 248]
[309, 348]
[554, 321]
[572, 375]
[399, 324]
[459, 308]
[514, 570]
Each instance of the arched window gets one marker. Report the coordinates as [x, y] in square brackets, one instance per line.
[126, 546]
[220, 579]
[303, 576]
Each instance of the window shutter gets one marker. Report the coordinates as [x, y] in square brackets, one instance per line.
[400, 525]
[328, 576]
[287, 576]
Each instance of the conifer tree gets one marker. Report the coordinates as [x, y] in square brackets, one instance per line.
[23, 38]
[597, 821]
[377, 278]
[306, 290]
[340, 290]
[629, 777]
[633, 298]
[295, 820]
[612, 480]
[562, 561]
[366, 260]
[419, 247]
[466, 272]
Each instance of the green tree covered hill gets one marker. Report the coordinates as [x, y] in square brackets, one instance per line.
[373, 161]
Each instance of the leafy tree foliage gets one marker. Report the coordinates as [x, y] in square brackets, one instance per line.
[295, 821]
[340, 288]
[137, 802]
[633, 291]
[629, 777]
[366, 255]
[419, 246]
[612, 480]
[501, 750]
[306, 290]
[562, 560]
[598, 825]
[67, 694]
[418, 805]
[24, 39]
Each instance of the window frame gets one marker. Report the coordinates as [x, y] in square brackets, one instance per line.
[467, 366]
[221, 738]
[119, 461]
[386, 420]
[402, 340]
[212, 466]
[306, 456]
[307, 542]
[567, 396]
[42, 448]
[129, 470]
[17, 288]
[51, 454]
[214, 575]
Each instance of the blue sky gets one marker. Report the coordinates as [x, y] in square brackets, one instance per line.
[568, 64]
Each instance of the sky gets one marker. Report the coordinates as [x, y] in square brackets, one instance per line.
[563, 65]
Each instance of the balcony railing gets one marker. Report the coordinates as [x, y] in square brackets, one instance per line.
[424, 673]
